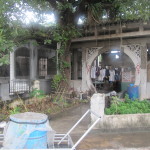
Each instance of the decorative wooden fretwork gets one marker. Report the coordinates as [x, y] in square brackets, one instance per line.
[136, 49]
[140, 52]
[92, 51]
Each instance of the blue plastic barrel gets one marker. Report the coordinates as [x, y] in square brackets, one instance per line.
[37, 140]
[29, 130]
[133, 91]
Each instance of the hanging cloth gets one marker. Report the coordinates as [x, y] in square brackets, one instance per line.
[93, 72]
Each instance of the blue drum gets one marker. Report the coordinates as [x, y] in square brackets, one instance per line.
[27, 131]
[133, 91]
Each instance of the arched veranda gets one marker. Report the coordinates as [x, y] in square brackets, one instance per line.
[93, 53]
[112, 70]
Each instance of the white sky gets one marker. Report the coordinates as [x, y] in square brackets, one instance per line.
[46, 19]
[28, 16]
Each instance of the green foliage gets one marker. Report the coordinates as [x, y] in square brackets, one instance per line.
[94, 10]
[47, 41]
[15, 110]
[56, 81]
[63, 34]
[129, 107]
[13, 29]
[9, 29]
[65, 64]
[64, 6]
[127, 99]
[37, 93]
[6, 45]
[115, 100]
[60, 100]
[133, 9]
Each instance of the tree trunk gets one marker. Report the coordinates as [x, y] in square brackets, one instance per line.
[67, 20]
[67, 58]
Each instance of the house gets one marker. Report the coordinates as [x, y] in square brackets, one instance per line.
[31, 62]
[28, 63]
[131, 39]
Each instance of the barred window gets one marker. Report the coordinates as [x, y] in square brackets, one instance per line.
[43, 67]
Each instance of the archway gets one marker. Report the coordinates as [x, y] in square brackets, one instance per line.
[89, 54]
[114, 71]
[132, 54]
[133, 51]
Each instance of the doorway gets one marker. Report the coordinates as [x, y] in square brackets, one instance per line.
[112, 71]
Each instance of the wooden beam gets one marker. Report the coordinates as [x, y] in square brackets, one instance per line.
[113, 36]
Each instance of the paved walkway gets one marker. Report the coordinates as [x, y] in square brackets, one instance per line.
[96, 139]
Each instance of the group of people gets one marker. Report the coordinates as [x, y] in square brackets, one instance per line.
[106, 73]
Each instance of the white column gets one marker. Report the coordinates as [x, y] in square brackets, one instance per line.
[97, 105]
[143, 73]
[33, 62]
[12, 66]
[143, 84]
[84, 72]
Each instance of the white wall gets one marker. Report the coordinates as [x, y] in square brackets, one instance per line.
[148, 90]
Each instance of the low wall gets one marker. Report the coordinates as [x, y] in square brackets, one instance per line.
[117, 122]
[125, 122]
[4, 91]
[45, 85]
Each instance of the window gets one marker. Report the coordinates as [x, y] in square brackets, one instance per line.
[4, 71]
[43, 67]
[22, 62]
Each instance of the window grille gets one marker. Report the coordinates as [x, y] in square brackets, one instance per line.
[19, 87]
[43, 67]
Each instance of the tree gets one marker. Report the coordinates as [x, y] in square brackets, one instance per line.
[13, 30]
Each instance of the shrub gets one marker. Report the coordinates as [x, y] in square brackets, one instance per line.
[56, 81]
[37, 93]
[15, 110]
[128, 106]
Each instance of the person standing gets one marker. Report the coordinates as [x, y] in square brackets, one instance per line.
[100, 78]
[107, 74]
[93, 72]
[112, 75]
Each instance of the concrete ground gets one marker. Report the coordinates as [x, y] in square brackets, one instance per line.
[96, 139]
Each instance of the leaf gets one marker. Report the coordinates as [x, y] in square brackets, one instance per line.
[47, 41]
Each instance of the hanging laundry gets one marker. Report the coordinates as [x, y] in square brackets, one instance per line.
[97, 71]
[103, 73]
[112, 75]
[107, 72]
[93, 72]
[100, 77]
[117, 74]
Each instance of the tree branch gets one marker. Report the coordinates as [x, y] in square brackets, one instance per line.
[52, 3]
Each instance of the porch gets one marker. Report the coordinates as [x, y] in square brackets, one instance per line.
[28, 63]
[130, 39]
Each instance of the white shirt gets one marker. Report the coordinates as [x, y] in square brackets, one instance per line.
[112, 75]
[93, 72]
[103, 73]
